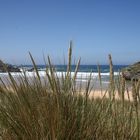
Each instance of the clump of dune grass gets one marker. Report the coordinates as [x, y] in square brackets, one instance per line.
[55, 108]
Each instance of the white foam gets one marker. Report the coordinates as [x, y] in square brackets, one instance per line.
[80, 75]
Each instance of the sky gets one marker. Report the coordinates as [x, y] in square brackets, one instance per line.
[45, 27]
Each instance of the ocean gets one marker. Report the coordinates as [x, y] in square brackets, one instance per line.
[83, 74]
[82, 68]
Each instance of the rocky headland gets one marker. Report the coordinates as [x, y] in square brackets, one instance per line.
[132, 72]
[8, 67]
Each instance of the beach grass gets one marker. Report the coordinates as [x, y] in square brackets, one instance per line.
[52, 108]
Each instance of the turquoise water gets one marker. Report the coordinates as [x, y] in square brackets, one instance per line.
[82, 68]
[83, 74]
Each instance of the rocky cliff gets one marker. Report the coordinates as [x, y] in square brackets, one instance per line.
[132, 72]
[9, 67]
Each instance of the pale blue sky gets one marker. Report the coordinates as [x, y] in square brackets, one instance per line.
[97, 28]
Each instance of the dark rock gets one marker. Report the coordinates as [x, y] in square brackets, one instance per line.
[31, 70]
[7, 67]
[132, 72]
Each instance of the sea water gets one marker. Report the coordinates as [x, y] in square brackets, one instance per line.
[84, 72]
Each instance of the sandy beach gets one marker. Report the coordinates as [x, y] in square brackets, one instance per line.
[105, 94]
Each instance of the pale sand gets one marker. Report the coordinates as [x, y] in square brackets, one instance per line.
[95, 94]
[98, 94]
